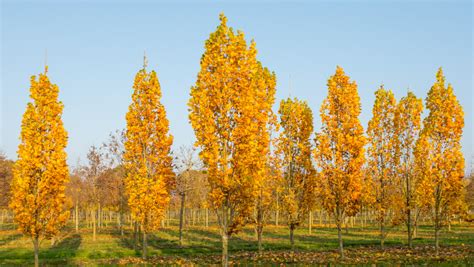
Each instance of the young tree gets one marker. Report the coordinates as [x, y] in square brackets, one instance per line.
[41, 173]
[470, 192]
[340, 150]
[294, 148]
[265, 125]
[92, 172]
[229, 105]
[265, 199]
[185, 164]
[407, 124]
[383, 161]
[147, 158]
[75, 191]
[6, 174]
[115, 148]
[439, 156]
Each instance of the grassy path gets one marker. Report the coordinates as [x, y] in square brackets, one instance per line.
[202, 245]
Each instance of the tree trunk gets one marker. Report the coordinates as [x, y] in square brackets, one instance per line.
[77, 216]
[169, 217]
[259, 226]
[310, 221]
[207, 217]
[409, 229]
[437, 239]
[99, 217]
[339, 220]
[88, 223]
[292, 237]
[121, 221]
[339, 236]
[139, 229]
[145, 246]
[94, 230]
[225, 249]
[135, 236]
[181, 217]
[437, 219]
[36, 249]
[259, 238]
[382, 234]
[277, 212]
[2, 218]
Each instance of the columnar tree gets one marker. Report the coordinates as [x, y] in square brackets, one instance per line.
[185, 164]
[438, 152]
[407, 124]
[265, 123]
[382, 159]
[265, 199]
[298, 173]
[6, 174]
[41, 173]
[229, 109]
[92, 172]
[147, 160]
[340, 150]
[75, 192]
[115, 148]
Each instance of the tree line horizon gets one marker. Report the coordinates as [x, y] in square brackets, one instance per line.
[251, 159]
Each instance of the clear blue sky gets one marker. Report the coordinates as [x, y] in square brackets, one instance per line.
[95, 49]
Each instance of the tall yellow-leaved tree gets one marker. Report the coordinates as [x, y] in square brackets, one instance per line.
[41, 173]
[407, 124]
[147, 159]
[266, 124]
[439, 156]
[339, 150]
[382, 159]
[230, 107]
[294, 150]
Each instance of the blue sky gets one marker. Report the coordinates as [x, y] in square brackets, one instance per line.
[94, 50]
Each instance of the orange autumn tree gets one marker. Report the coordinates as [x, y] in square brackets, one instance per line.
[40, 174]
[408, 124]
[265, 202]
[339, 150]
[382, 159]
[265, 125]
[230, 107]
[147, 159]
[294, 150]
[439, 156]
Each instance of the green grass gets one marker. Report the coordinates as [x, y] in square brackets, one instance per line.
[204, 243]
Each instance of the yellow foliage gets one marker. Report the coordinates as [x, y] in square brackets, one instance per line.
[294, 150]
[440, 162]
[40, 174]
[382, 157]
[147, 159]
[340, 148]
[230, 112]
[408, 125]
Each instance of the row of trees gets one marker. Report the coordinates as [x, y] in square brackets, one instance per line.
[252, 160]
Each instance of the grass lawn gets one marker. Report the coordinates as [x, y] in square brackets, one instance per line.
[202, 246]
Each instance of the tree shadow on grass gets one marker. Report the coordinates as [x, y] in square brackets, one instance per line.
[9, 238]
[66, 248]
[126, 240]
